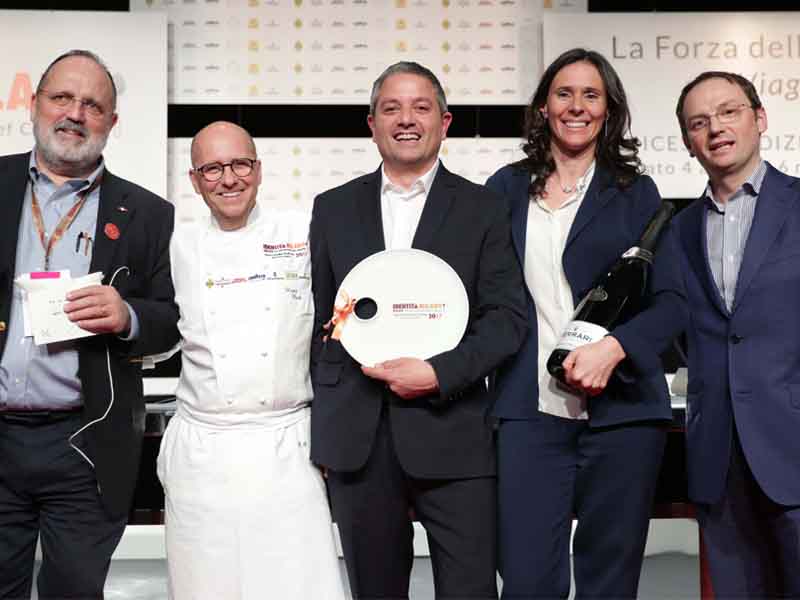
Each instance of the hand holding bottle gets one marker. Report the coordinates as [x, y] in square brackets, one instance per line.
[589, 367]
[614, 299]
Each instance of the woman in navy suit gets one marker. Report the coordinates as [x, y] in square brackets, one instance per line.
[579, 200]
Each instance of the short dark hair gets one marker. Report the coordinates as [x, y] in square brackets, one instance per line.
[411, 68]
[617, 151]
[745, 84]
[83, 54]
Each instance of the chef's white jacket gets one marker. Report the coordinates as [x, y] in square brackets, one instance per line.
[246, 315]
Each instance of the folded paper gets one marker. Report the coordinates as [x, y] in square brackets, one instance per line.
[44, 296]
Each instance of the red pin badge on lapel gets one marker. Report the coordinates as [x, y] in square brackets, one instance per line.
[111, 231]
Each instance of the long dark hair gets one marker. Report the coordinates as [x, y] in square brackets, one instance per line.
[616, 150]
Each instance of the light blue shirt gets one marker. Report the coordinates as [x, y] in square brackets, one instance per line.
[727, 229]
[46, 377]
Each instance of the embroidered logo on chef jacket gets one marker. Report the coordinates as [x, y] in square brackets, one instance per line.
[296, 282]
[286, 250]
[228, 281]
[292, 267]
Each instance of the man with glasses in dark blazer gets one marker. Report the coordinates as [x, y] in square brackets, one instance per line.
[72, 413]
[740, 248]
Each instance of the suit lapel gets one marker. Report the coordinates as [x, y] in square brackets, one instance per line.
[368, 205]
[772, 208]
[520, 204]
[597, 196]
[114, 211]
[439, 199]
[15, 175]
[696, 248]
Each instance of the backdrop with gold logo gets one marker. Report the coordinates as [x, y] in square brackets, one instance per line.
[329, 51]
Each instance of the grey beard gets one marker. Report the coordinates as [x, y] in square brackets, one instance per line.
[67, 160]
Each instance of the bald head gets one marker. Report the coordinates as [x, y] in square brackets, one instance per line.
[219, 129]
[226, 172]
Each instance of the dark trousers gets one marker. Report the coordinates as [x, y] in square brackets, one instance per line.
[550, 468]
[47, 489]
[371, 508]
[752, 544]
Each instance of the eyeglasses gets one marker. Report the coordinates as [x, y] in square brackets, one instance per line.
[65, 100]
[213, 171]
[725, 114]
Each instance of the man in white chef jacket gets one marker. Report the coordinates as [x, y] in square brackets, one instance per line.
[246, 511]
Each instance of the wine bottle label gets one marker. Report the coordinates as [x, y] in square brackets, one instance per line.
[636, 252]
[598, 294]
[579, 333]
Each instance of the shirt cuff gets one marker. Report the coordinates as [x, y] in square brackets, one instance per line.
[134, 332]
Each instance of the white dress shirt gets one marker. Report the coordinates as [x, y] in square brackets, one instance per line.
[401, 208]
[545, 239]
[246, 316]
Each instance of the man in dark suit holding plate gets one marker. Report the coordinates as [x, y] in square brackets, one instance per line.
[411, 433]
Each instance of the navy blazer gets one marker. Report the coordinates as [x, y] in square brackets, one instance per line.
[744, 364]
[609, 221]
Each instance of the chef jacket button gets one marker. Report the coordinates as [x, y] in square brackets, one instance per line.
[223, 355]
[264, 354]
[267, 308]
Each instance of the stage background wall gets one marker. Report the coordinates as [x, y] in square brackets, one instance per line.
[331, 128]
[329, 51]
[133, 46]
[296, 169]
[656, 56]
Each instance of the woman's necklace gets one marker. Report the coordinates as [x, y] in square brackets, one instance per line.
[577, 187]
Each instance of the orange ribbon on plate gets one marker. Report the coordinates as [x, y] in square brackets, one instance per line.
[342, 309]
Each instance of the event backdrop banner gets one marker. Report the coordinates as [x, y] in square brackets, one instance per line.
[134, 46]
[656, 55]
[330, 51]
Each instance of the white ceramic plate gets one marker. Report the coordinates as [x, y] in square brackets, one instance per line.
[422, 307]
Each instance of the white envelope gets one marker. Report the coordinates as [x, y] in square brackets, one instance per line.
[44, 296]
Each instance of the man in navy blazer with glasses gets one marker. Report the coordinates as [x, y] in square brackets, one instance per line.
[740, 245]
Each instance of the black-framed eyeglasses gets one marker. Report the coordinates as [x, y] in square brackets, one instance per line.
[213, 171]
[728, 113]
[65, 100]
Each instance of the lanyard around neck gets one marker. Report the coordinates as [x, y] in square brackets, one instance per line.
[63, 224]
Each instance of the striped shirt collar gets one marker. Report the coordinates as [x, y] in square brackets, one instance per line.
[751, 186]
